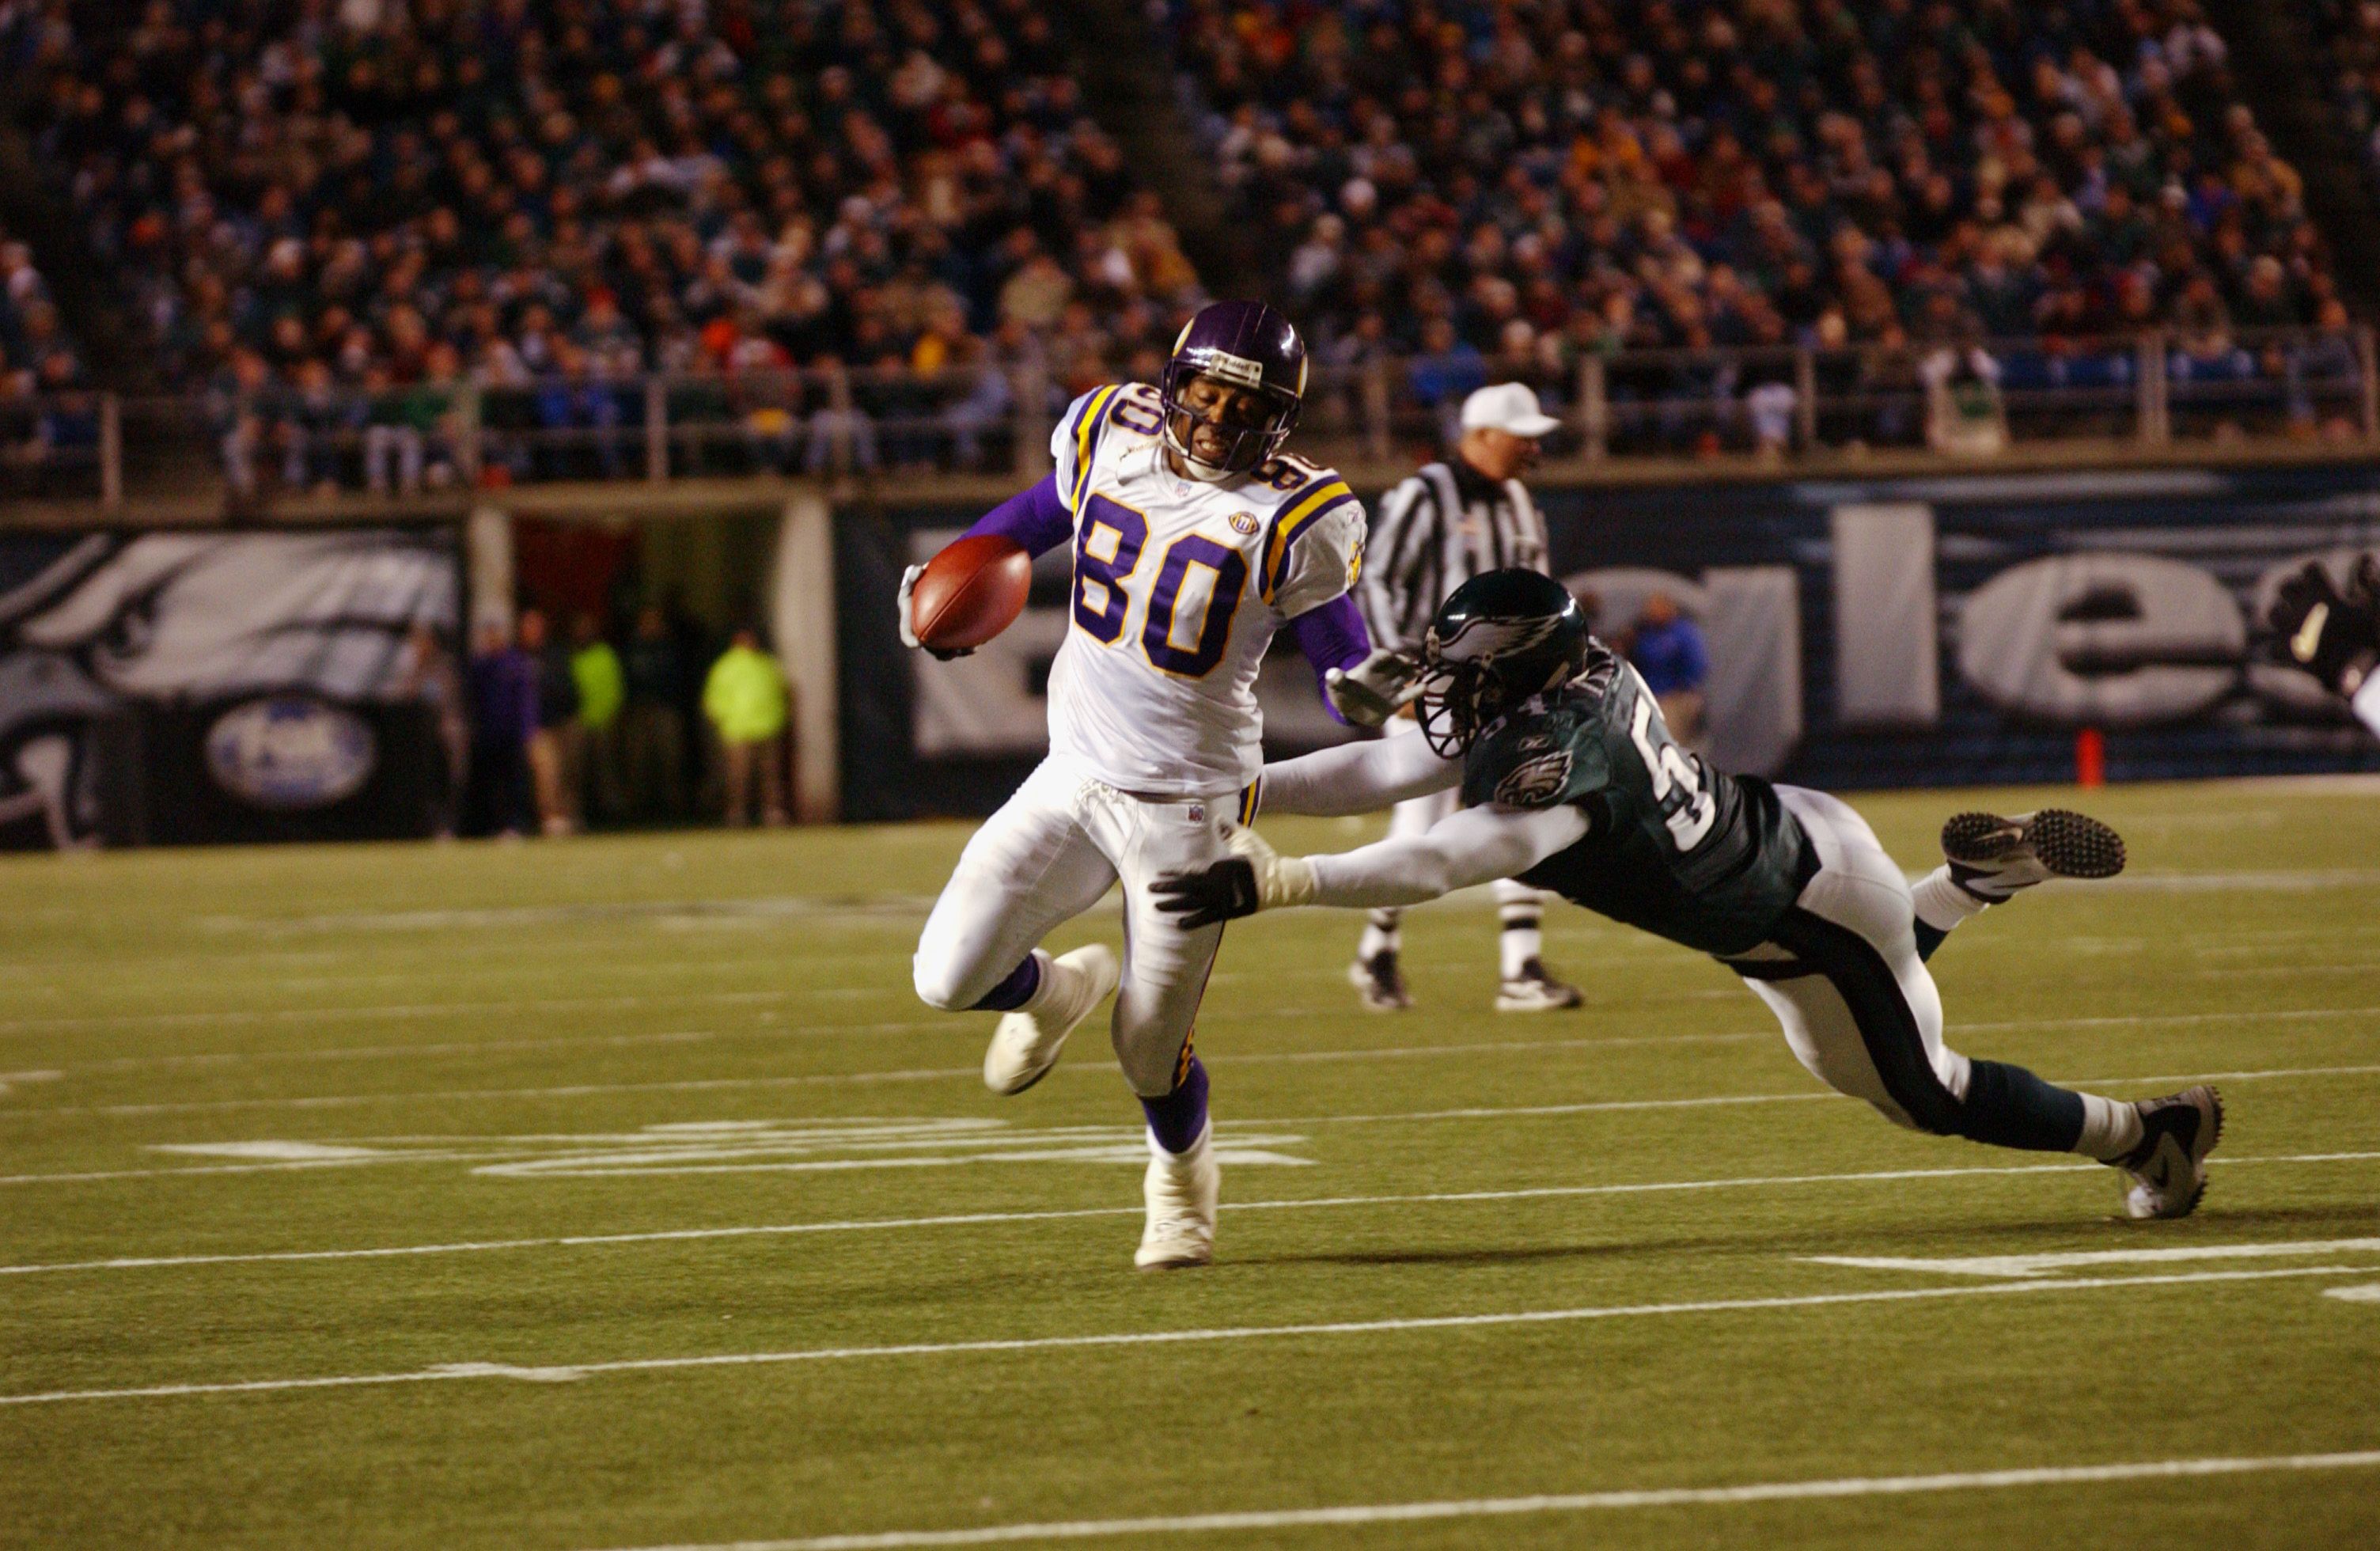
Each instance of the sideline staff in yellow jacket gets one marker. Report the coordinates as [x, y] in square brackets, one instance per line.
[745, 698]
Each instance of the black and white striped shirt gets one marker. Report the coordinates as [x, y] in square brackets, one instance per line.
[1435, 532]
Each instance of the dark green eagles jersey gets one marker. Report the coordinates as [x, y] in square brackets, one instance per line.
[1673, 846]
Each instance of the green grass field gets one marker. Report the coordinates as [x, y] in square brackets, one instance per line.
[571, 1195]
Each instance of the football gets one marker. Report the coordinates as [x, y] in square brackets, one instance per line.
[970, 593]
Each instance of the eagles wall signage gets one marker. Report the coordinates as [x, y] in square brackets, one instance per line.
[1917, 632]
[173, 686]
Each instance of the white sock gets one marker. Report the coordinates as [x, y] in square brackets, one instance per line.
[1380, 936]
[2110, 1128]
[1517, 944]
[1941, 904]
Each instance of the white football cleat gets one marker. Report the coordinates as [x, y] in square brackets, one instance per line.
[1025, 1045]
[1182, 1191]
[2169, 1168]
[1992, 857]
[1534, 990]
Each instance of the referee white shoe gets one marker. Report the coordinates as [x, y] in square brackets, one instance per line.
[1182, 1191]
[1025, 1045]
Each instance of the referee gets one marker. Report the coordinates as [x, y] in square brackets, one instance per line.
[1429, 536]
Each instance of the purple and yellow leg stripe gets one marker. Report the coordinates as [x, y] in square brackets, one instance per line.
[1297, 518]
[1248, 795]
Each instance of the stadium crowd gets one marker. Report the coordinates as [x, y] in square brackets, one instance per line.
[313, 201]
[397, 242]
[1509, 186]
[2351, 31]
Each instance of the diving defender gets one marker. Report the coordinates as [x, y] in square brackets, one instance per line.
[1571, 783]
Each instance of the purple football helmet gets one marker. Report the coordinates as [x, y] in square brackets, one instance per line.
[1247, 345]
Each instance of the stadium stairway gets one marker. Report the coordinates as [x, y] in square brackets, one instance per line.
[2274, 59]
[1129, 84]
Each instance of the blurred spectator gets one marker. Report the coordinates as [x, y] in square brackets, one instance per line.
[426, 673]
[653, 736]
[555, 742]
[595, 671]
[1667, 650]
[1964, 412]
[745, 698]
[503, 719]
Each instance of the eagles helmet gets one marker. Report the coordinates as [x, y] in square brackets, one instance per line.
[1247, 345]
[1502, 636]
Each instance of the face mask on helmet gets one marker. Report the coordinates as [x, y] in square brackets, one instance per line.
[1502, 637]
[1246, 442]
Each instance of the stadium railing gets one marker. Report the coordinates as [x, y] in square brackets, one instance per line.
[2150, 390]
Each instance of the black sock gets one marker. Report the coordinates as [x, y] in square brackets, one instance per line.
[2010, 1107]
[1928, 939]
[1015, 991]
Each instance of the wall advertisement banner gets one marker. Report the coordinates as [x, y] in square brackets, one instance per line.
[166, 688]
[1946, 631]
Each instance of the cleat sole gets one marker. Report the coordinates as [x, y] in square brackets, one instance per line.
[2068, 844]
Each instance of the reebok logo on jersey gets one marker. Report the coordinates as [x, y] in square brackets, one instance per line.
[1535, 782]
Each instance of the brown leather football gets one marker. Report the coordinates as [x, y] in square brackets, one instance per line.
[970, 593]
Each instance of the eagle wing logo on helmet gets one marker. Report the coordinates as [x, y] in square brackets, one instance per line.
[1536, 782]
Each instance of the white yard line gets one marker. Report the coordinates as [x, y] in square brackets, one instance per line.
[2035, 1265]
[389, 1010]
[499, 1047]
[878, 1225]
[2158, 1020]
[951, 1074]
[1569, 1502]
[559, 1373]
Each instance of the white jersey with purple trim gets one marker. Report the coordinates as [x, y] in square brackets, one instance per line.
[1178, 587]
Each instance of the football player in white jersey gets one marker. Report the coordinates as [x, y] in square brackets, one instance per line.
[1195, 539]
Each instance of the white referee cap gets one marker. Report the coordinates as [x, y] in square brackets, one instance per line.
[1507, 406]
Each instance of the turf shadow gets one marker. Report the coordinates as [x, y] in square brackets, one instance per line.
[1518, 1255]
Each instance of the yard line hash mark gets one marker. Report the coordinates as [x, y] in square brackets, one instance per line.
[1569, 1502]
[482, 1369]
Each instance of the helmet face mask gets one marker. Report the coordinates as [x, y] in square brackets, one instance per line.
[1233, 346]
[1501, 638]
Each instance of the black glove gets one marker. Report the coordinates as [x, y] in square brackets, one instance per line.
[2333, 636]
[1222, 891]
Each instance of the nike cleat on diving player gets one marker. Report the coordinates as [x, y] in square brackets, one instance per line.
[1025, 1045]
[2169, 1168]
[1992, 857]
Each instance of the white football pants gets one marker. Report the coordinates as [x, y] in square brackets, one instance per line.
[1842, 975]
[1047, 857]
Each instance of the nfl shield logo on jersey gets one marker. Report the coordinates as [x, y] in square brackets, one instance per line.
[1535, 782]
